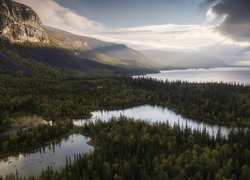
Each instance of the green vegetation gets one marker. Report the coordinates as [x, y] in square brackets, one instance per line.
[74, 97]
[38, 60]
[128, 149]
[13, 63]
[33, 137]
[219, 103]
[4, 120]
[62, 98]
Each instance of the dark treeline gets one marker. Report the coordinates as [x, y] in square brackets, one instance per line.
[127, 149]
[212, 102]
[130, 150]
[220, 103]
[62, 98]
[4, 120]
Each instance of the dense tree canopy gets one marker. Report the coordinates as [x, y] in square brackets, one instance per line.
[129, 149]
[220, 103]
[33, 137]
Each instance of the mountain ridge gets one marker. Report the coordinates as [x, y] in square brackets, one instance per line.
[182, 60]
[27, 49]
[118, 54]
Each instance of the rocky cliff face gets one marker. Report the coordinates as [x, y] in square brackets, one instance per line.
[19, 23]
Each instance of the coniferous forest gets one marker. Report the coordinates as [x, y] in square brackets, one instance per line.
[127, 148]
[215, 102]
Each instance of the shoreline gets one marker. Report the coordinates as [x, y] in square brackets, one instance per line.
[24, 121]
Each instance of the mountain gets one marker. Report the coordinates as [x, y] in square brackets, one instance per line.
[182, 60]
[19, 23]
[105, 52]
[44, 61]
[28, 49]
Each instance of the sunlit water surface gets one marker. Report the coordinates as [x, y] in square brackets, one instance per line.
[154, 114]
[226, 75]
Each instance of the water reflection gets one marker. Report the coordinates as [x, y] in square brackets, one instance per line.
[154, 114]
[52, 155]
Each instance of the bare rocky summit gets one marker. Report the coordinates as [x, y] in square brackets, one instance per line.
[19, 23]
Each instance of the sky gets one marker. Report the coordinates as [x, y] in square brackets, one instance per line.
[220, 28]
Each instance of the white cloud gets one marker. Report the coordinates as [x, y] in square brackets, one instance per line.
[54, 15]
[199, 38]
[203, 38]
[211, 16]
[183, 37]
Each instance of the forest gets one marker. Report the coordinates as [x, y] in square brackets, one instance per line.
[128, 149]
[219, 103]
[33, 137]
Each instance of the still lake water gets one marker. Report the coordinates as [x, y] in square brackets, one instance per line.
[227, 75]
[153, 114]
[50, 155]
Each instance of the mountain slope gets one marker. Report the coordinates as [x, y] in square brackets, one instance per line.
[171, 59]
[105, 52]
[9, 66]
[47, 61]
[26, 49]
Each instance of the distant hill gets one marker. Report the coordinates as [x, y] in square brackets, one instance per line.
[174, 60]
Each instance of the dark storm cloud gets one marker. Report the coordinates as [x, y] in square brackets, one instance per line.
[237, 18]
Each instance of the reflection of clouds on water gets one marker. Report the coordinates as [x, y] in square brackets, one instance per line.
[33, 163]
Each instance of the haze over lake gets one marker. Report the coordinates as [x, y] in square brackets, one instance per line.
[227, 75]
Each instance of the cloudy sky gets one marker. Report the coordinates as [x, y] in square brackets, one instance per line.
[218, 27]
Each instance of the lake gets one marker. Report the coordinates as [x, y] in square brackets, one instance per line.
[154, 114]
[51, 155]
[55, 154]
[227, 75]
